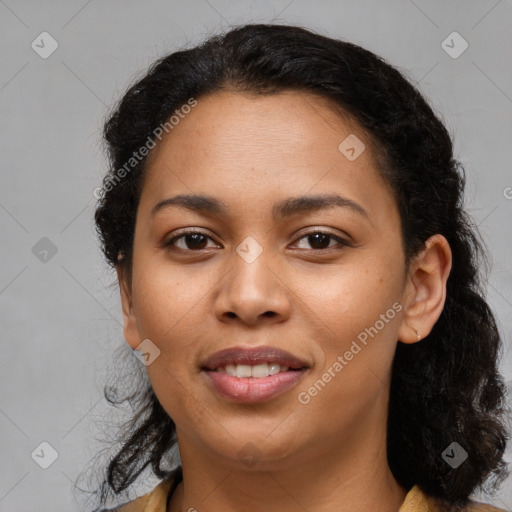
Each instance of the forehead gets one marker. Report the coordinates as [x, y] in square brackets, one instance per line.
[249, 147]
[230, 123]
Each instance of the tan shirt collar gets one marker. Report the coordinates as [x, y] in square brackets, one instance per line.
[415, 501]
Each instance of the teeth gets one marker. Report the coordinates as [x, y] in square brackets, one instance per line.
[230, 370]
[258, 370]
[243, 370]
[274, 368]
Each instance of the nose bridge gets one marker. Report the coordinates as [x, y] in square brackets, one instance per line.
[252, 287]
[250, 268]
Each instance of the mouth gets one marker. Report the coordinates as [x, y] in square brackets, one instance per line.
[257, 374]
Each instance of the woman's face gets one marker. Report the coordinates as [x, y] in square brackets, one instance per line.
[254, 278]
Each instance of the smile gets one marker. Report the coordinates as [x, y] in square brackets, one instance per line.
[244, 389]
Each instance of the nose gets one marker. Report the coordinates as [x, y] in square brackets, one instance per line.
[253, 292]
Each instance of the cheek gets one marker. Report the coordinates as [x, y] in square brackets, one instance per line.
[357, 310]
[351, 380]
[162, 297]
[164, 301]
[349, 298]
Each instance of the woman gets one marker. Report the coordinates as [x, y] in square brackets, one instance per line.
[299, 277]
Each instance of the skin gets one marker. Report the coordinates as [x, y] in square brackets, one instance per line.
[250, 152]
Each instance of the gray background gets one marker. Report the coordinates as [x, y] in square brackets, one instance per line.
[60, 321]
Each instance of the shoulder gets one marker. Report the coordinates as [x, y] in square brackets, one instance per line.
[154, 501]
[473, 506]
[418, 501]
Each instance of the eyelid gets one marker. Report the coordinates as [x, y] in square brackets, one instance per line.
[339, 238]
[342, 239]
[184, 232]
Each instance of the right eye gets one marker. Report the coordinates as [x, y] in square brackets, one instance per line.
[195, 240]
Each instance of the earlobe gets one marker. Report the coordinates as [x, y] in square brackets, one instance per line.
[130, 330]
[425, 292]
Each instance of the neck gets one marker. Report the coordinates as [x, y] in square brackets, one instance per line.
[326, 477]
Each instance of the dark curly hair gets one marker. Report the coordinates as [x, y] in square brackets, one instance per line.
[445, 388]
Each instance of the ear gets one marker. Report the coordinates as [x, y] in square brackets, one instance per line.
[130, 330]
[425, 291]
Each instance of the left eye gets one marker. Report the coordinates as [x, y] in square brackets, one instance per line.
[196, 240]
[319, 239]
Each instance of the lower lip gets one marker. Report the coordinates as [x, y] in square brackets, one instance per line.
[253, 389]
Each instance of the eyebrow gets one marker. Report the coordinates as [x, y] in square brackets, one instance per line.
[286, 208]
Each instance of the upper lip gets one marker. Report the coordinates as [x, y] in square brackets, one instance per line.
[252, 356]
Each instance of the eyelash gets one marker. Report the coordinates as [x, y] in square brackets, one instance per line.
[340, 240]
